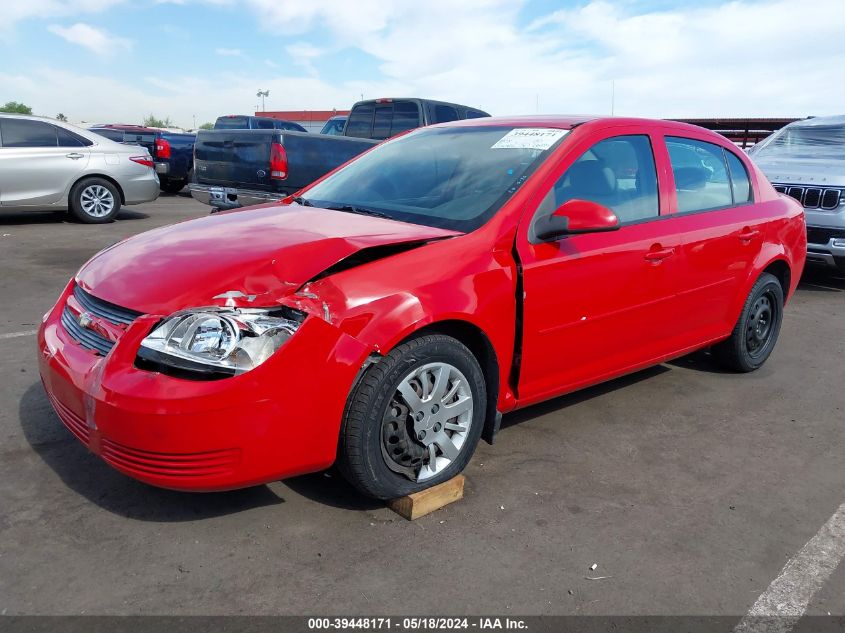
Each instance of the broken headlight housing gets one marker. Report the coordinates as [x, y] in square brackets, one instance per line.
[217, 342]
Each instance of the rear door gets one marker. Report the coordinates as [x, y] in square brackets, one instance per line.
[38, 162]
[711, 200]
[600, 304]
[236, 158]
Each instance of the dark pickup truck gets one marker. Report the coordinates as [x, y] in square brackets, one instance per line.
[172, 152]
[238, 168]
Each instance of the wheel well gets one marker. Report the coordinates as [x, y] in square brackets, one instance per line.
[478, 343]
[104, 177]
[780, 269]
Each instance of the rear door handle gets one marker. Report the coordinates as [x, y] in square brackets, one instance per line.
[657, 254]
[747, 234]
[75, 155]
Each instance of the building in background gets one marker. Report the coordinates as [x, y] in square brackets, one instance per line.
[311, 120]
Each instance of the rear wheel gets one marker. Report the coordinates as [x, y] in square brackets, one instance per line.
[756, 332]
[173, 186]
[94, 201]
[414, 419]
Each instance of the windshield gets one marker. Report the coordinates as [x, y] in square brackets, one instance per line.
[818, 141]
[452, 178]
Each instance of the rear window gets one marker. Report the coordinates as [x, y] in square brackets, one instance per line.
[232, 123]
[701, 176]
[69, 139]
[406, 116]
[361, 121]
[382, 121]
[25, 133]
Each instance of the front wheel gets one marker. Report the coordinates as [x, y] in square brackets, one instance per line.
[414, 419]
[756, 332]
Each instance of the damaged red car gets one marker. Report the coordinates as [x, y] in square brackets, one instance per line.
[388, 315]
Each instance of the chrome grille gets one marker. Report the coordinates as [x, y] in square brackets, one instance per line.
[825, 198]
[103, 309]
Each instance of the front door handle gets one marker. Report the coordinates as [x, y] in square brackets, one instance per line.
[747, 234]
[75, 155]
[657, 254]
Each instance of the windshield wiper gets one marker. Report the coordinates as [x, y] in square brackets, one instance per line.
[305, 202]
[351, 208]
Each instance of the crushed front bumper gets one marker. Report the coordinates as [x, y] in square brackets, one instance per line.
[278, 420]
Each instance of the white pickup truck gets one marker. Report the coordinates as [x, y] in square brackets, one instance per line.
[806, 160]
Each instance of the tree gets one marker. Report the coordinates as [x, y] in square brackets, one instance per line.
[61, 117]
[154, 121]
[207, 126]
[16, 108]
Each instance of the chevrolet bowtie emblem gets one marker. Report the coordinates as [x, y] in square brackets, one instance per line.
[84, 319]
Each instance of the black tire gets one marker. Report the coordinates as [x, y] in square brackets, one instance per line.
[362, 456]
[76, 203]
[756, 332]
[172, 186]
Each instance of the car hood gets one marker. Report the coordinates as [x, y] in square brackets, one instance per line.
[252, 257]
[823, 172]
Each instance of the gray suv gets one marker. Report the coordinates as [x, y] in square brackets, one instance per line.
[806, 160]
[50, 165]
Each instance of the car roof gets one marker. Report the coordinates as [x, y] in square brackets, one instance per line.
[819, 121]
[124, 127]
[569, 121]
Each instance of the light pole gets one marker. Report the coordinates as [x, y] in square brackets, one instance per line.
[262, 94]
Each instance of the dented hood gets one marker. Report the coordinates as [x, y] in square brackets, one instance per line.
[252, 257]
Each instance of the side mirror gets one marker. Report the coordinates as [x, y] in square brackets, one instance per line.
[574, 217]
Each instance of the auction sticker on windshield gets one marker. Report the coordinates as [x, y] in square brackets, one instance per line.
[530, 138]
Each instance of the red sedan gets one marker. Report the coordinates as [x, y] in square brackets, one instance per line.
[388, 315]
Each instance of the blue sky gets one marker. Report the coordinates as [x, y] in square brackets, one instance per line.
[117, 60]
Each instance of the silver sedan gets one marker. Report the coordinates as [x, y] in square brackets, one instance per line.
[50, 165]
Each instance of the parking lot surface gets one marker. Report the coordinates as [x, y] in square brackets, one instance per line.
[689, 488]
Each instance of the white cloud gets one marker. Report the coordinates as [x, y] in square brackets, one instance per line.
[17, 10]
[734, 58]
[94, 39]
[738, 58]
[229, 52]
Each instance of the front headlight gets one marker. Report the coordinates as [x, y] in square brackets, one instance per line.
[224, 341]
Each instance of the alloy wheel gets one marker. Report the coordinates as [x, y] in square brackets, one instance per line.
[97, 201]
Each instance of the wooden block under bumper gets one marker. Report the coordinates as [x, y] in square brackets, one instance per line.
[426, 501]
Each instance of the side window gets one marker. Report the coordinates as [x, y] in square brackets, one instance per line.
[26, 133]
[406, 116]
[360, 122]
[475, 114]
[382, 120]
[618, 173]
[69, 139]
[264, 124]
[444, 113]
[740, 182]
[701, 176]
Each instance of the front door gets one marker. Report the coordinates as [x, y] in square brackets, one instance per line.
[38, 161]
[599, 304]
